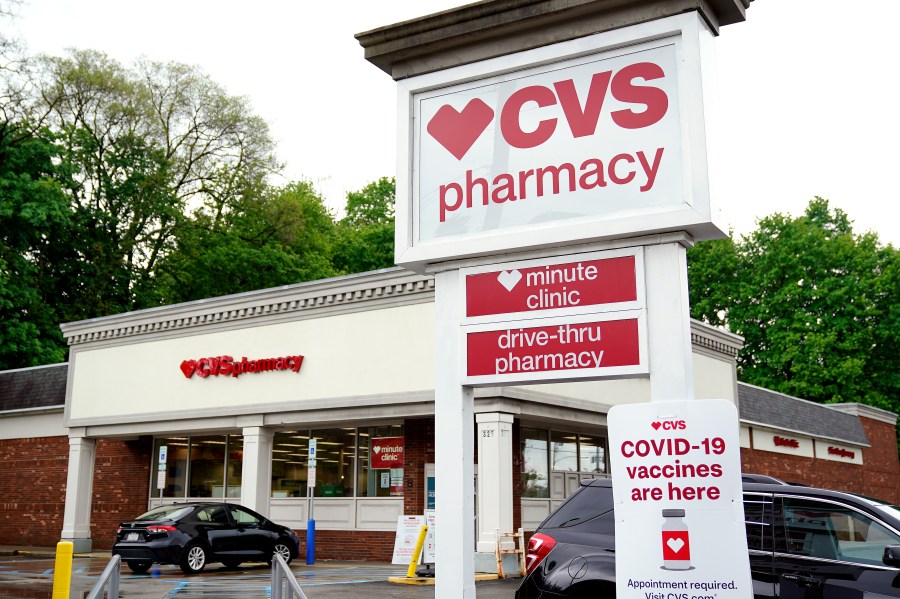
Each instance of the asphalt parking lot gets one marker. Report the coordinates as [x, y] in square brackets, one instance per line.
[31, 576]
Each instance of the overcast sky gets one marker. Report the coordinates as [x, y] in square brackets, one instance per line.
[806, 89]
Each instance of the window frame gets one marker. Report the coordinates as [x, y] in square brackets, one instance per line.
[781, 532]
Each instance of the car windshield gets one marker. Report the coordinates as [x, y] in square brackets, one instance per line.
[166, 512]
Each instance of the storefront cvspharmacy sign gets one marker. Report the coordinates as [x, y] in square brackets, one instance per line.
[228, 366]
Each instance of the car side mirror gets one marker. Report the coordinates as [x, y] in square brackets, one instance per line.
[891, 556]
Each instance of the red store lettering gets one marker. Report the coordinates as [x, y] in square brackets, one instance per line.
[783, 442]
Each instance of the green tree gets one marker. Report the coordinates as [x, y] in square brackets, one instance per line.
[103, 168]
[34, 217]
[365, 236]
[279, 237]
[145, 145]
[817, 306]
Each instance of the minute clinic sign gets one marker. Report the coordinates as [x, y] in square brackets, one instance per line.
[573, 142]
[579, 316]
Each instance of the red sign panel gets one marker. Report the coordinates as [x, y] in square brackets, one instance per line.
[570, 346]
[386, 452]
[552, 286]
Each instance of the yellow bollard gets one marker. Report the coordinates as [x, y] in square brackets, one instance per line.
[411, 572]
[62, 573]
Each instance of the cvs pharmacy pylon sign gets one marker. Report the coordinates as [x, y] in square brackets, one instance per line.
[559, 145]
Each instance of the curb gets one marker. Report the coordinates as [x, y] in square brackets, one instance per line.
[43, 553]
[429, 580]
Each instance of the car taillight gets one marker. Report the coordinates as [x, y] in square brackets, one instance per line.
[161, 528]
[539, 545]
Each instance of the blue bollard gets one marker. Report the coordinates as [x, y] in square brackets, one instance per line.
[310, 542]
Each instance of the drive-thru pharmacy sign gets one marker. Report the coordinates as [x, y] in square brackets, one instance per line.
[577, 141]
[680, 530]
[578, 316]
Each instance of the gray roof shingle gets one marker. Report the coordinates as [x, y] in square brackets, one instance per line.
[36, 387]
[799, 415]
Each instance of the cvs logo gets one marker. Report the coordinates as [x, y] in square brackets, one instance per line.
[669, 425]
[457, 131]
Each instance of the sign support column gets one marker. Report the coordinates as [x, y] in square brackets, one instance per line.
[256, 469]
[454, 452]
[495, 477]
[668, 323]
[79, 486]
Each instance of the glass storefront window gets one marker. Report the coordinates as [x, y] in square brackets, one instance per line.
[380, 476]
[234, 466]
[592, 454]
[290, 452]
[566, 452]
[207, 466]
[535, 474]
[199, 466]
[563, 451]
[338, 451]
[175, 466]
[335, 462]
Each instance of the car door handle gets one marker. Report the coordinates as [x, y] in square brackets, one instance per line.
[803, 581]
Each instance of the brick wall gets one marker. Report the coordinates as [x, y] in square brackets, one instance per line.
[33, 488]
[882, 471]
[418, 450]
[121, 486]
[354, 545]
[878, 476]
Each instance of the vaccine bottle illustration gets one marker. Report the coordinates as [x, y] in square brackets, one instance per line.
[676, 545]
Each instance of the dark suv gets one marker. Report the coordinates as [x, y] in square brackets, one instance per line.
[804, 542]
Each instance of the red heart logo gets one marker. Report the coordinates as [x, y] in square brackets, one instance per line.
[655, 425]
[457, 131]
[188, 367]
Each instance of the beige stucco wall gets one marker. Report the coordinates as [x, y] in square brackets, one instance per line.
[387, 351]
[24, 425]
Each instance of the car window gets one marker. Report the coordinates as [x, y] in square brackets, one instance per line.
[758, 512]
[166, 512]
[242, 516]
[834, 531]
[584, 507]
[213, 513]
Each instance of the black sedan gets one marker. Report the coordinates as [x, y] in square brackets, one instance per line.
[194, 534]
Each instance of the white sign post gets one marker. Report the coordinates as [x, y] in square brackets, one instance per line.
[310, 490]
[679, 511]
[161, 469]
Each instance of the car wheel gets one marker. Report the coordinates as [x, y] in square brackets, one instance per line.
[231, 564]
[283, 549]
[193, 559]
[139, 567]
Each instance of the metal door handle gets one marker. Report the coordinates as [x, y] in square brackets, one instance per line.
[803, 581]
